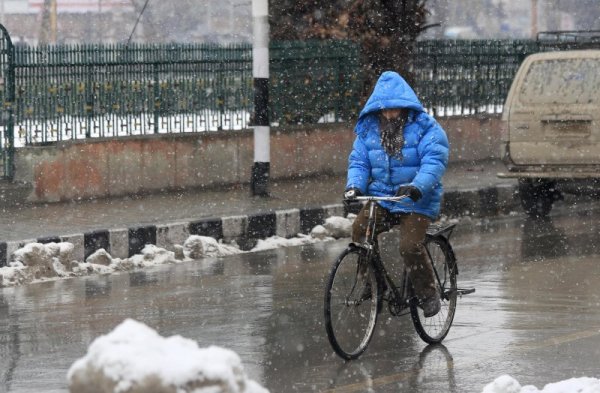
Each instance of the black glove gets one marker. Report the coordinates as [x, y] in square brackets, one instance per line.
[410, 191]
[350, 197]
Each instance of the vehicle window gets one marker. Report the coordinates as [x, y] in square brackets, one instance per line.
[564, 81]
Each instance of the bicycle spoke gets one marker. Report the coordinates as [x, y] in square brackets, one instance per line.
[434, 329]
[351, 305]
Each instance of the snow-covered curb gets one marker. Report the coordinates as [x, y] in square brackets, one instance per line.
[507, 384]
[135, 358]
[42, 262]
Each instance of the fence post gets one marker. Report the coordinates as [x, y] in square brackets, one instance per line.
[157, 102]
[259, 182]
[89, 107]
[8, 110]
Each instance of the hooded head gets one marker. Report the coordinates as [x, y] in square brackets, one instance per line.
[391, 91]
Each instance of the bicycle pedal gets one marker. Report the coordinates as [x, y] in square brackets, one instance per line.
[465, 291]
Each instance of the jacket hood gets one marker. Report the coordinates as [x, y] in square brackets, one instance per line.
[391, 91]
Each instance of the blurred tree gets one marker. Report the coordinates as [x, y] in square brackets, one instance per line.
[385, 29]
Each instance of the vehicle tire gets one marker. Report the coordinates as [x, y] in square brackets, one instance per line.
[350, 308]
[433, 330]
[537, 196]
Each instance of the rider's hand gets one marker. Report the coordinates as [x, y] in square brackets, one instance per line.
[352, 193]
[350, 199]
[410, 191]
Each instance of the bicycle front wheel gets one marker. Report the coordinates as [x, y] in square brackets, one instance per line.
[433, 330]
[351, 302]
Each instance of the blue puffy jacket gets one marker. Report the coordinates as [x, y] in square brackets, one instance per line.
[424, 155]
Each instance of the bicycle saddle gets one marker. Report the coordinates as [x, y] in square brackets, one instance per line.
[440, 230]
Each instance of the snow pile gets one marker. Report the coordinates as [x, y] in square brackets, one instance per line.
[135, 358]
[507, 384]
[196, 247]
[278, 242]
[39, 262]
[14, 274]
[102, 262]
[334, 227]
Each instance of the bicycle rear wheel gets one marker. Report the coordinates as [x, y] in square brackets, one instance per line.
[352, 297]
[433, 330]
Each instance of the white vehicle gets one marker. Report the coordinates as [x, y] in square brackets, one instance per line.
[551, 136]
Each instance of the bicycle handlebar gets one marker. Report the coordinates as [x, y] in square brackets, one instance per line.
[379, 198]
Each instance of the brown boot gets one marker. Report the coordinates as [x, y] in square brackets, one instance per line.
[432, 305]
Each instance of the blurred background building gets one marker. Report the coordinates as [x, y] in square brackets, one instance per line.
[112, 21]
[510, 18]
[225, 21]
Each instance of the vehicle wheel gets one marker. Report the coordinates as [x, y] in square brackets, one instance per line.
[537, 196]
[352, 299]
[433, 330]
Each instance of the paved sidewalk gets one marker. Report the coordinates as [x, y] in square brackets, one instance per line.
[471, 188]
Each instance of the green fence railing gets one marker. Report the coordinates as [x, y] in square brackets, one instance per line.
[467, 77]
[83, 91]
[77, 92]
[314, 81]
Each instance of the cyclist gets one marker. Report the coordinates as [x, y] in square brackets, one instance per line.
[400, 150]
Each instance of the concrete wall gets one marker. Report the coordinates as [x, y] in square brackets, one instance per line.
[112, 167]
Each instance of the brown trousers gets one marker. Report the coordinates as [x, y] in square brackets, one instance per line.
[412, 237]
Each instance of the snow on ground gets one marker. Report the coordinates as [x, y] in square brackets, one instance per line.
[507, 384]
[277, 242]
[134, 355]
[135, 358]
[196, 247]
[42, 262]
[333, 228]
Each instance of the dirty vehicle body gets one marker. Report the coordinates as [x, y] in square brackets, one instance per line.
[551, 136]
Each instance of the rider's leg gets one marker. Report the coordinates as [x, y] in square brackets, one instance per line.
[359, 226]
[413, 228]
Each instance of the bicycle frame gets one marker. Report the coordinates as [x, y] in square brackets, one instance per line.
[370, 233]
[400, 297]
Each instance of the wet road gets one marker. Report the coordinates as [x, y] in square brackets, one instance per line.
[535, 314]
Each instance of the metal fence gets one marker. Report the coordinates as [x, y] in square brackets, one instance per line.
[473, 76]
[76, 92]
[467, 77]
[89, 91]
[83, 91]
[314, 82]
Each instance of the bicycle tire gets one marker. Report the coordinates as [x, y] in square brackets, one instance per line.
[433, 330]
[350, 315]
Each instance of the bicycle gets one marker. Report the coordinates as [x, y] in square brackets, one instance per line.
[359, 284]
